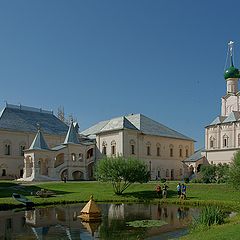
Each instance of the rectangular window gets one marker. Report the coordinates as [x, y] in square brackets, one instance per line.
[186, 152]
[113, 150]
[211, 144]
[180, 152]
[148, 151]
[132, 149]
[22, 148]
[171, 152]
[225, 142]
[7, 149]
[158, 151]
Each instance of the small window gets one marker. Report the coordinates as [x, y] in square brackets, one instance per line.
[171, 152]
[181, 172]
[225, 141]
[73, 157]
[211, 143]
[80, 157]
[7, 149]
[113, 149]
[104, 150]
[187, 153]
[158, 151]
[22, 148]
[180, 152]
[148, 151]
[90, 153]
[132, 149]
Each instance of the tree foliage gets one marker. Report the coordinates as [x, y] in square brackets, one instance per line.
[121, 172]
[214, 173]
[234, 171]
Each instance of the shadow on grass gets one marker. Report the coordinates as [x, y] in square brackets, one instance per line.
[148, 195]
[8, 188]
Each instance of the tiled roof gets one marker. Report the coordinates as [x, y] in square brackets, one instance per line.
[39, 142]
[26, 119]
[195, 157]
[137, 122]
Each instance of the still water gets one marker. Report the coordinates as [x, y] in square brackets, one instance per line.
[62, 222]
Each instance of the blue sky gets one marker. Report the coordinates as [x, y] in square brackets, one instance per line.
[105, 58]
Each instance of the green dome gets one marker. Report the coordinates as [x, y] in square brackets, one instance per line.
[231, 72]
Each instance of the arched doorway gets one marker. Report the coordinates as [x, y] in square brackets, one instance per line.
[64, 174]
[77, 175]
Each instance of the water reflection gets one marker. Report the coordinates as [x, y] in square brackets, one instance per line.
[62, 222]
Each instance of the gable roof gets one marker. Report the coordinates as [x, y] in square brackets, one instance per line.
[136, 122]
[39, 142]
[71, 136]
[26, 119]
[195, 157]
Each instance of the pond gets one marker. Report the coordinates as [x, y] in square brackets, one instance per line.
[62, 222]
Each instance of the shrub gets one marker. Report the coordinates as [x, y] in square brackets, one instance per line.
[186, 180]
[163, 180]
[210, 215]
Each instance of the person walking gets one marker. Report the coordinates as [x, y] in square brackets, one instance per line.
[184, 191]
[179, 190]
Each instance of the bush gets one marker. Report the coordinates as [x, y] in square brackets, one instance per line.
[186, 180]
[163, 180]
[196, 180]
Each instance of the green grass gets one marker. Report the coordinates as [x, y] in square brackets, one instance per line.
[230, 230]
[72, 192]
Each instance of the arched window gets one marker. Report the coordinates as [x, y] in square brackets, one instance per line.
[225, 140]
[80, 157]
[212, 142]
[132, 147]
[73, 155]
[104, 148]
[7, 148]
[113, 147]
[90, 153]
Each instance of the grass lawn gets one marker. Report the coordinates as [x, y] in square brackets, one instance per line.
[70, 192]
[197, 194]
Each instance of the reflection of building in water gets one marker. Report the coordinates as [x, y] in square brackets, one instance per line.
[116, 211]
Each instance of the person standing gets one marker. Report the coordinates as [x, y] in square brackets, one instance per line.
[164, 190]
[179, 190]
[158, 190]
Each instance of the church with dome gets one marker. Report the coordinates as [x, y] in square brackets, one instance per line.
[222, 135]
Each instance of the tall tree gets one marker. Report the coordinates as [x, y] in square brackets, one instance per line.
[121, 172]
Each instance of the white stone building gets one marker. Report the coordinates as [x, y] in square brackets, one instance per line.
[138, 136]
[18, 129]
[222, 135]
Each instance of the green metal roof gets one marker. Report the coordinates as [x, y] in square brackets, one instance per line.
[231, 72]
